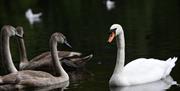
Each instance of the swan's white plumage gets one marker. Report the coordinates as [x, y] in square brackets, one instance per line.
[138, 71]
[32, 17]
[147, 70]
[160, 85]
[110, 4]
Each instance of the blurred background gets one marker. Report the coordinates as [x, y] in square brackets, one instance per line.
[152, 30]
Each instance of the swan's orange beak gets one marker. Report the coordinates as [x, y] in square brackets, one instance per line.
[111, 37]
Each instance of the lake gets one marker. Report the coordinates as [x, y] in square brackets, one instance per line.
[151, 27]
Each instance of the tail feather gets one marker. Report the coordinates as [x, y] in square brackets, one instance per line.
[170, 65]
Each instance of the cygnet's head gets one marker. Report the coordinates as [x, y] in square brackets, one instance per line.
[115, 30]
[20, 30]
[8, 30]
[60, 38]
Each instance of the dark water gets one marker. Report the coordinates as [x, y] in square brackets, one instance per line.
[152, 29]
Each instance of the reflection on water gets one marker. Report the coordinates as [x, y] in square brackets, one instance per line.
[57, 87]
[160, 85]
[79, 75]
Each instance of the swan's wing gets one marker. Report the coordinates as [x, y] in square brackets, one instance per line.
[145, 70]
[41, 56]
[76, 61]
[68, 54]
[37, 15]
[71, 59]
[69, 63]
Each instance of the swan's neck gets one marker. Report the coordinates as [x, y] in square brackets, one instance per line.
[22, 49]
[6, 54]
[58, 67]
[120, 54]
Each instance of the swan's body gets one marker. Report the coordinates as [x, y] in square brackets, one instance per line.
[160, 85]
[139, 71]
[72, 60]
[29, 78]
[61, 87]
[32, 17]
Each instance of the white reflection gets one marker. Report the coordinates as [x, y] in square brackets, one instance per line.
[32, 17]
[160, 85]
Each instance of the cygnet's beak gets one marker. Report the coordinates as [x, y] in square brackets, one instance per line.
[65, 42]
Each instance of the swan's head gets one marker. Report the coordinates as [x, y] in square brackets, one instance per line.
[115, 30]
[60, 38]
[20, 31]
[8, 30]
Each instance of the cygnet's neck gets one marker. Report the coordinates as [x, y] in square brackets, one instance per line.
[6, 54]
[22, 49]
[58, 67]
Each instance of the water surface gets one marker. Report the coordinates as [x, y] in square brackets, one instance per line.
[152, 29]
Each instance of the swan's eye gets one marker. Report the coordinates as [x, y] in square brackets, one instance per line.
[65, 39]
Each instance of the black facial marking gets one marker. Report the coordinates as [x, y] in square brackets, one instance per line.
[112, 30]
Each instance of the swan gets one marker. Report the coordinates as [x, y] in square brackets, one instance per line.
[160, 85]
[29, 78]
[110, 4]
[71, 61]
[138, 71]
[32, 17]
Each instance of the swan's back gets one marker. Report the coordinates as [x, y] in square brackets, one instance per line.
[147, 70]
[31, 78]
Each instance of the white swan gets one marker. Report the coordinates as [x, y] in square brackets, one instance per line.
[138, 71]
[110, 4]
[32, 17]
[29, 78]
